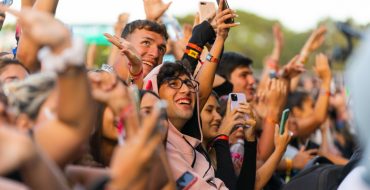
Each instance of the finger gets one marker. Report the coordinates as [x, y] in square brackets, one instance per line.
[276, 130]
[221, 6]
[225, 12]
[250, 122]
[231, 25]
[10, 10]
[302, 148]
[151, 146]
[228, 106]
[196, 19]
[312, 151]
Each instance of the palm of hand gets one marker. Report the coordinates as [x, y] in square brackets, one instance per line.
[42, 28]
[155, 8]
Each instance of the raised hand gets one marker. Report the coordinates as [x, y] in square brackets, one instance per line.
[107, 88]
[128, 51]
[154, 9]
[222, 28]
[322, 68]
[314, 41]
[282, 140]
[135, 155]
[42, 28]
[292, 69]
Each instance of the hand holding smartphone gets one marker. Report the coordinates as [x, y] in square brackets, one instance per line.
[235, 100]
[284, 118]
[226, 6]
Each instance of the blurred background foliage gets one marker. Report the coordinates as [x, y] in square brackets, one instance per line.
[252, 38]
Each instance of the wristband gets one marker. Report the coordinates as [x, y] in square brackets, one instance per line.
[271, 121]
[192, 53]
[73, 56]
[325, 92]
[218, 137]
[211, 58]
[195, 46]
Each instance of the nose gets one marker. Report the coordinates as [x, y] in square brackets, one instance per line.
[184, 88]
[153, 51]
[216, 116]
[251, 79]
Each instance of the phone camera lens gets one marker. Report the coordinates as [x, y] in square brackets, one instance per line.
[234, 97]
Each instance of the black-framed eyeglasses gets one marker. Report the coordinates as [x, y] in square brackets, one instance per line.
[176, 83]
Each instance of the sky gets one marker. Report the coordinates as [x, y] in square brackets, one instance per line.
[297, 15]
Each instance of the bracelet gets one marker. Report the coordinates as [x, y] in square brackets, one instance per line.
[211, 58]
[192, 53]
[324, 92]
[138, 74]
[218, 137]
[271, 121]
[195, 46]
[73, 56]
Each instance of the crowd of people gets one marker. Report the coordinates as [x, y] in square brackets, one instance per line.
[140, 122]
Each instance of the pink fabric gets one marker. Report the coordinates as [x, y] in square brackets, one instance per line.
[181, 154]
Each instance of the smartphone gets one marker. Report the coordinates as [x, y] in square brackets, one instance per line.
[283, 119]
[162, 120]
[206, 10]
[236, 99]
[185, 181]
[226, 6]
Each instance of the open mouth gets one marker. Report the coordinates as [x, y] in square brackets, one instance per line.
[149, 63]
[184, 101]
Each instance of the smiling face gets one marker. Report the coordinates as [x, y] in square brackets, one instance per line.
[181, 102]
[211, 119]
[150, 45]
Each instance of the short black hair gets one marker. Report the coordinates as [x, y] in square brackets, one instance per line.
[230, 61]
[171, 69]
[144, 24]
[296, 99]
[5, 62]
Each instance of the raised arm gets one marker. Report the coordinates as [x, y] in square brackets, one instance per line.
[27, 49]
[62, 136]
[207, 72]
[314, 42]
[309, 124]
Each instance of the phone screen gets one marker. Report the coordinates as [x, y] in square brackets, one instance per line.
[185, 181]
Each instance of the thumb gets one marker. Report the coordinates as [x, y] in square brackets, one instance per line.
[228, 106]
[302, 149]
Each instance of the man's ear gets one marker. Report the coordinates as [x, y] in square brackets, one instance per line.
[23, 122]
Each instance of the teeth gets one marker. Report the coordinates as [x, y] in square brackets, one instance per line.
[184, 102]
[148, 63]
